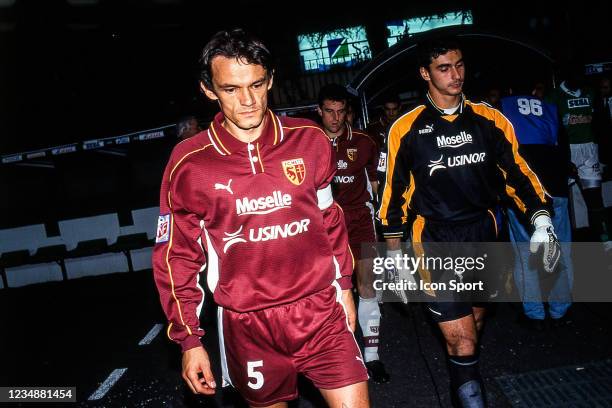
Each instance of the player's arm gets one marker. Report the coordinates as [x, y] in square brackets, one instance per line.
[337, 234]
[371, 166]
[396, 184]
[333, 219]
[177, 259]
[523, 186]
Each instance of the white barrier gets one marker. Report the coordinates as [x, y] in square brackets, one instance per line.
[105, 226]
[36, 273]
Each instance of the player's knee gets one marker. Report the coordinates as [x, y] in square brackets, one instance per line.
[366, 290]
[461, 345]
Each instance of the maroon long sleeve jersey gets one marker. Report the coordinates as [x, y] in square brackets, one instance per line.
[356, 160]
[257, 216]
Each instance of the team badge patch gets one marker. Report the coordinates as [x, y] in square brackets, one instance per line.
[351, 154]
[294, 170]
[382, 162]
[163, 229]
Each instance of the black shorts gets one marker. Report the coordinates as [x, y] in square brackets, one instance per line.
[441, 241]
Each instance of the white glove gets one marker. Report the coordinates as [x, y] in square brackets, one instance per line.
[399, 274]
[544, 237]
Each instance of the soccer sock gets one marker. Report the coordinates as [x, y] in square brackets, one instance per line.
[466, 384]
[369, 320]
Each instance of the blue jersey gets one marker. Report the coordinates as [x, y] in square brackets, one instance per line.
[534, 121]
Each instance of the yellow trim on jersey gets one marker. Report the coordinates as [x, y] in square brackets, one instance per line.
[366, 135]
[259, 156]
[168, 331]
[397, 131]
[417, 231]
[275, 129]
[304, 127]
[502, 123]
[170, 268]
[170, 241]
[494, 222]
[212, 126]
[184, 157]
[409, 193]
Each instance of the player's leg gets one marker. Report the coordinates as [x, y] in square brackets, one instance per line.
[361, 234]
[461, 340]
[250, 359]
[330, 356]
[368, 313]
[586, 158]
[354, 395]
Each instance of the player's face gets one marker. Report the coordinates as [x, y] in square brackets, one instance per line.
[333, 116]
[445, 74]
[241, 90]
[391, 110]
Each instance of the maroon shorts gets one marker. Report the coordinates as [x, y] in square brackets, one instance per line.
[262, 352]
[361, 232]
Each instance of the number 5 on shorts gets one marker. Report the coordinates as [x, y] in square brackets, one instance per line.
[256, 375]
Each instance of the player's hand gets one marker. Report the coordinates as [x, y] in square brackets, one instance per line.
[349, 305]
[544, 237]
[397, 274]
[195, 361]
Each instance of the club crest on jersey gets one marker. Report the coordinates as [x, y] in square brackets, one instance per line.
[351, 154]
[163, 229]
[295, 170]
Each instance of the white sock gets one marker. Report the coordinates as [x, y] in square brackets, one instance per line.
[369, 320]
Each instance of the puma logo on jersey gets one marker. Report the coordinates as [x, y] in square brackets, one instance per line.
[426, 129]
[219, 186]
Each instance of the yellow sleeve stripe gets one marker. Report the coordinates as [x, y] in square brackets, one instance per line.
[502, 123]
[397, 131]
[178, 303]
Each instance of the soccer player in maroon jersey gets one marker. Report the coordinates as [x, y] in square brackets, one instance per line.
[355, 185]
[249, 199]
[391, 107]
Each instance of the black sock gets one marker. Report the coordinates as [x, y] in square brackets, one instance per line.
[466, 383]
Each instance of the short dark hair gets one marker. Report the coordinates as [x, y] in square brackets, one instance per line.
[333, 92]
[390, 97]
[429, 50]
[238, 44]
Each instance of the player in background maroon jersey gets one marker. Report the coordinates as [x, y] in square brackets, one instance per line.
[355, 185]
[250, 199]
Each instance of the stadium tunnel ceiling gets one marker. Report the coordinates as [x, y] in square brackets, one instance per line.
[85, 69]
[492, 59]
